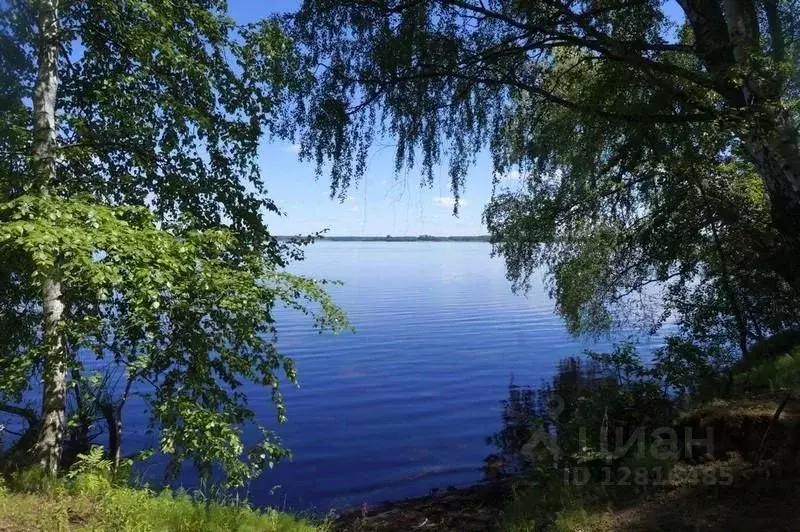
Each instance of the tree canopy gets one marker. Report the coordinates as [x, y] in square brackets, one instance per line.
[136, 255]
[658, 142]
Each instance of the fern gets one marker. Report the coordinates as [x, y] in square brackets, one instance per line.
[93, 463]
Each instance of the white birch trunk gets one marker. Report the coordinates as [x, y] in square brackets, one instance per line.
[51, 433]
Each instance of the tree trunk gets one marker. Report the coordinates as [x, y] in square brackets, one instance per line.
[54, 401]
[115, 440]
[113, 417]
[727, 34]
[774, 148]
[44, 97]
[43, 161]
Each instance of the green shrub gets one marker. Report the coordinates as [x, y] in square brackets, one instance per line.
[774, 346]
[692, 373]
[772, 364]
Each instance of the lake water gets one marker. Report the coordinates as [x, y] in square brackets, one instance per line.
[405, 404]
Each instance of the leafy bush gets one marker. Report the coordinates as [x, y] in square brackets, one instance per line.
[692, 373]
[590, 412]
[773, 364]
[584, 416]
[774, 346]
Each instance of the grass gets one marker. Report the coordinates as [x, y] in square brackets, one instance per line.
[554, 506]
[93, 501]
[128, 509]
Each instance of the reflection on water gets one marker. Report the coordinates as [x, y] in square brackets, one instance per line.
[587, 412]
[536, 419]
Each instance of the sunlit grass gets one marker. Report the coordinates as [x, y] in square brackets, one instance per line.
[91, 504]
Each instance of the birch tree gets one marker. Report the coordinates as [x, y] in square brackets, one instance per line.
[446, 78]
[134, 222]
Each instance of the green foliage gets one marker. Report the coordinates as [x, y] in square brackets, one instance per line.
[550, 504]
[94, 463]
[639, 393]
[86, 504]
[593, 411]
[773, 347]
[34, 480]
[578, 417]
[444, 86]
[641, 166]
[692, 373]
[154, 222]
[534, 508]
[186, 311]
[648, 228]
[158, 105]
[773, 365]
[93, 473]
[96, 497]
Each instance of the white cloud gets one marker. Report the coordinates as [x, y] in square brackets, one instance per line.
[449, 201]
[354, 208]
[513, 175]
[292, 148]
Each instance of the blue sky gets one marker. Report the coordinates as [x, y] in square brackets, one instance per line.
[382, 203]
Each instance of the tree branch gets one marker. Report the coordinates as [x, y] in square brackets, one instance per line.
[28, 414]
[772, 422]
[602, 43]
[545, 95]
[775, 28]
[710, 33]
[619, 51]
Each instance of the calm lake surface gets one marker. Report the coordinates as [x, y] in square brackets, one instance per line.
[405, 404]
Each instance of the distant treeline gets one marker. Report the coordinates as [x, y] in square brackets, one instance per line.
[390, 238]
